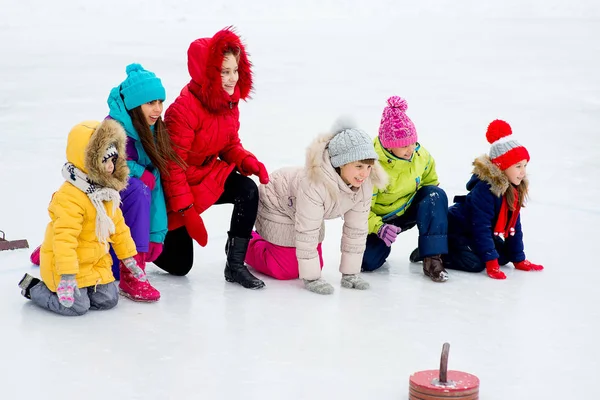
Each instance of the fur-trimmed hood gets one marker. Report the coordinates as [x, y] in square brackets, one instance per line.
[86, 146]
[319, 169]
[205, 58]
[486, 171]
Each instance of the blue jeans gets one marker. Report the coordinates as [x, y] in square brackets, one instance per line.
[429, 212]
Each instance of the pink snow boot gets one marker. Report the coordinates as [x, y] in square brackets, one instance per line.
[131, 287]
[35, 256]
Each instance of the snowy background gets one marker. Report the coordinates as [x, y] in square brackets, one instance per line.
[459, 64]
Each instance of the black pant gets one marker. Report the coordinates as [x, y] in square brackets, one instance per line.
[177, 256]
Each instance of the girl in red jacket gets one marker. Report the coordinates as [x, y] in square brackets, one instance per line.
[203, 123]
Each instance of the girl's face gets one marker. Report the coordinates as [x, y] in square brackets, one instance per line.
[109, 165]
[517, 172]
[355, 173]
[404, 152]
[229, 73]
[152, 110]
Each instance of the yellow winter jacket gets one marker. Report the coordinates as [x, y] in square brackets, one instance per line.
[70, 244]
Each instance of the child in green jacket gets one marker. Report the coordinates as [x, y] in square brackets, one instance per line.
[411, 198]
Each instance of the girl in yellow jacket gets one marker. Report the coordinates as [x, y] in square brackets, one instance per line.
[85, 217]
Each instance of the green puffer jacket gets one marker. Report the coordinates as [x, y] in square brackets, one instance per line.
[406, 177]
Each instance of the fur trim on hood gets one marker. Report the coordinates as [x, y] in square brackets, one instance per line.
[109, 132]
[490, 173]
[319, 168]
[87, 145]
[205, 58]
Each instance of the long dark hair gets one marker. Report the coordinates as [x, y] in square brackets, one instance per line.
[160, 150]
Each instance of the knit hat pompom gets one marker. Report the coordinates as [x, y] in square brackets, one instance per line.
[396, 129]
[504, 152]
[497, 130]
[398, 102]
[133, 68]
[141, 86]
[342, 123]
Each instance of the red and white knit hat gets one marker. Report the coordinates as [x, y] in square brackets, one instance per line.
[505, 151]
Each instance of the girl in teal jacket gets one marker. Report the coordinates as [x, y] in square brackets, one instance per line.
[137, 104]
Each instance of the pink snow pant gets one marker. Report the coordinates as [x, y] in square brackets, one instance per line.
[276, 261]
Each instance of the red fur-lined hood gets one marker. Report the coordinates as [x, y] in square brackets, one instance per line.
[205, 58]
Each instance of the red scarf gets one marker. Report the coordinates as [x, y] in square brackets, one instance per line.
[504, 227]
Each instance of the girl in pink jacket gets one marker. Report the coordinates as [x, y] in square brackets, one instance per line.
[337, 181]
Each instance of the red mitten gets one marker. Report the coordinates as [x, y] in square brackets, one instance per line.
[493, 270]
[154, 251]
[148, 179]
[194, 225]
[527, 265]
[254, 167]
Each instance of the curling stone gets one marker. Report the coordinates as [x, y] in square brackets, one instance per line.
[443, 384]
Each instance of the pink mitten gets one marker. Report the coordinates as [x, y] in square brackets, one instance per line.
[148, 179]
[154, 251]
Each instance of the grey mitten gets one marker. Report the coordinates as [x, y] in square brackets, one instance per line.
[354, 281]
[135, 269]
[319, 286]
[67, 287]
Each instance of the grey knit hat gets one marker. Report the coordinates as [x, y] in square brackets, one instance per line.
[351, 145]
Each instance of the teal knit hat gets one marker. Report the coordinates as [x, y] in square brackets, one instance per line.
[141, 86]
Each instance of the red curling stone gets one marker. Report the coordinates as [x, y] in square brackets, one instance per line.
[443, 384]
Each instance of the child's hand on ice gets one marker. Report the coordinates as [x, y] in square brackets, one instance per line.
[493, 269]
[527, 265]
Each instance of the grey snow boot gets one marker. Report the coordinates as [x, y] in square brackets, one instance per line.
[354, 281]
[318, 286]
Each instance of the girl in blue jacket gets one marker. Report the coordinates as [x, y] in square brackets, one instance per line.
[484, 227]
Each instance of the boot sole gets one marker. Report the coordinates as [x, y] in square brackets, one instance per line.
[247, 287]
[122, 293]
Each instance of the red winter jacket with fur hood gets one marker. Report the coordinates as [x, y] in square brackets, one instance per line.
[203, 124]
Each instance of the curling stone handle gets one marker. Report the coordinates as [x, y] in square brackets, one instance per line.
[444, 363]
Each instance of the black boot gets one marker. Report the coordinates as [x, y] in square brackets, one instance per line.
[415, 257]
[26, 283]
[235, 269]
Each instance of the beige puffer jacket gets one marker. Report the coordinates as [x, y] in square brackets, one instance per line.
[296, 202]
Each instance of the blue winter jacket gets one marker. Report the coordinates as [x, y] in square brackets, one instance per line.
[473, 217]
[158, 208]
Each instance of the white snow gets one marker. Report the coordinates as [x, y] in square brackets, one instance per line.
[459, 64]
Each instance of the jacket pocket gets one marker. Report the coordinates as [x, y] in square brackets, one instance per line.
[87, 253]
